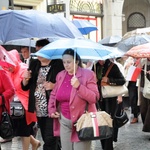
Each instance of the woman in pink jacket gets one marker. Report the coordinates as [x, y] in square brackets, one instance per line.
[75, 86]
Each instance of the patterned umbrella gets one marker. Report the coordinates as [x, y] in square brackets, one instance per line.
[138, 31]
[141, 51]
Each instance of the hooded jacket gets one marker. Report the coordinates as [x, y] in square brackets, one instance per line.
[17, 77]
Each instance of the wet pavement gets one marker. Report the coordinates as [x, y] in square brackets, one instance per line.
[130, 137]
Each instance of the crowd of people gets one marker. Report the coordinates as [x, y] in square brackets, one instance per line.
[54, 94]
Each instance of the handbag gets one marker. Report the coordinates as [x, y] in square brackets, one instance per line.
[113, 91]
[6, 125]
[16, 109]
[146, 89]
[120, 118]
[110, 90]
[94, 126]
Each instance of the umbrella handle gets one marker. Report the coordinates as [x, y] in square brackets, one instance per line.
[74, 63]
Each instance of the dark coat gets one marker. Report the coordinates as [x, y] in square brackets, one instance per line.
[145, 104]
[115, 76]
[56, 66]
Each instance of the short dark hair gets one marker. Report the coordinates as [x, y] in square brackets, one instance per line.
[42, 42]
[73, 53]
[25, 47]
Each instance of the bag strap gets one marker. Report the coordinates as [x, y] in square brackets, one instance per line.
[97, 104]
[3, 104]
[145, 68]
[109, 69]
[118, 108]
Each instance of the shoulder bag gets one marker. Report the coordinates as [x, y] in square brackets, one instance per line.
[120, 117]
[94, 126]
[6, 125]
[110, 90]
[146, 89]
[16, 109]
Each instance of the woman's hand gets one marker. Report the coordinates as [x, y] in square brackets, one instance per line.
[75, 82]
[48, 85]
[105, 79]
[148, 72]
[55, 115]
[119, 99]
[27, 76]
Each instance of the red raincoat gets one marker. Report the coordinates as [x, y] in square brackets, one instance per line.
[6, 88]
[17, 77]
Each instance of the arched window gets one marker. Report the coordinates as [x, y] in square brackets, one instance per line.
[136, 20]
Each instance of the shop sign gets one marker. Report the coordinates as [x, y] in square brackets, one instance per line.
[55, 8]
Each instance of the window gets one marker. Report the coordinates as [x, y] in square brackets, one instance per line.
[136, 20]
[20, 7]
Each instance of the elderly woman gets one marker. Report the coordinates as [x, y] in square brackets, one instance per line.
[75, 86]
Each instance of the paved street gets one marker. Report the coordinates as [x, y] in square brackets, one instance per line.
[131, 137]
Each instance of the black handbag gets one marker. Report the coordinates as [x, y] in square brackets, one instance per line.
[6, 125]
[16, 109]
[120, 118]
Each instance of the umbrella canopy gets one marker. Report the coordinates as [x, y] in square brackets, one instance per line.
[110, 40]
[140, 51]
[22, 42]
[127, 44]
[115, 51]
[138, 31]
[84, 26]
[18, 24]
[87, 49]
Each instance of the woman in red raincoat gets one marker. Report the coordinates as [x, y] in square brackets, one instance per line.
[23, 127]
[6, 89]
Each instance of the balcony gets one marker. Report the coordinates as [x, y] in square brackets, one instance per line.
[28, 2]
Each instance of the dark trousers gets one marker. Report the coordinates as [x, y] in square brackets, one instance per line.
[109, 105]
[118, 111]
[133, 98]
[46, 127]
[145, 113]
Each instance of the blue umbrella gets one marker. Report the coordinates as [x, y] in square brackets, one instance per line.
[86, 48]
[18, 24]
[84, 26]
[22, 42]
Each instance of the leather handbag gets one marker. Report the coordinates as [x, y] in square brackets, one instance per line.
[6, 125]
[94, 125]
[146, 89]
[120, 118]
[111, 90]
[16, 109]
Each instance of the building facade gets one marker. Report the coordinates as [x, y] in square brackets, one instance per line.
[112, 17]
